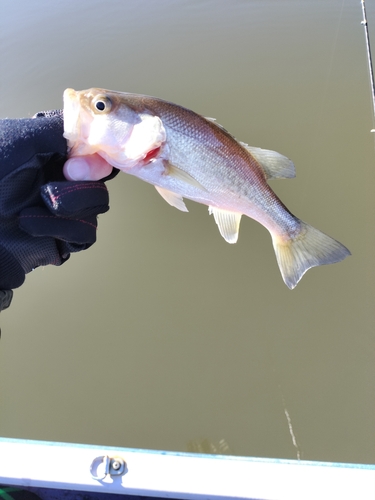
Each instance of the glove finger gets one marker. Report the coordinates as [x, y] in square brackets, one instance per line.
[39, 222]
[112, 175]
[12, 274]
[5, 299]
[66, 247]
[76, 198]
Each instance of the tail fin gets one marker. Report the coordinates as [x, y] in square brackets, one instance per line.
[308, 249]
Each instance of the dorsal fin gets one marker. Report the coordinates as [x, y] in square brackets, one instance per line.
[274, 165]
[213, 120]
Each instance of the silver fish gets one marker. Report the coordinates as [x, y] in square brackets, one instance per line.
[185, 155]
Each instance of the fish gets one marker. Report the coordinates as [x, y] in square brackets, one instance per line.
[186, 155]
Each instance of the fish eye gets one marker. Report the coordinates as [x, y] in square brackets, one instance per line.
[102, 104]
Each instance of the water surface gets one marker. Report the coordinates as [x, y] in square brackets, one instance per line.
[162, 335]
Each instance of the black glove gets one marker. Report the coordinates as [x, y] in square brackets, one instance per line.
[43, 217]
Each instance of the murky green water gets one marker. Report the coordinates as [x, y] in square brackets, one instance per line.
[162, 335]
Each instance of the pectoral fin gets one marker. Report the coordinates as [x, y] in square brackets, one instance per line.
[274, 165]
[228, 223]
[172, 198]
[181, 175]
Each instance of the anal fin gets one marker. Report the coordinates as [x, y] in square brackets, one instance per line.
[174, 199]
[228, 223]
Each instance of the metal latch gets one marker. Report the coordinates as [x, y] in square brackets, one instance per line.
[104, 465]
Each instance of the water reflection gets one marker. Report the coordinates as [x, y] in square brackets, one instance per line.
[207, 446]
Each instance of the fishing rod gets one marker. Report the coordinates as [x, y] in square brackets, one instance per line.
[369, 59]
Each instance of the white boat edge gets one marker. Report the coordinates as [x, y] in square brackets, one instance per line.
[163, 474]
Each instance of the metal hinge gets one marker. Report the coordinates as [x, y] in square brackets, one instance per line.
[104, 465]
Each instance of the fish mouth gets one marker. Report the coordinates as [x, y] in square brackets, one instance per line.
[71, 116]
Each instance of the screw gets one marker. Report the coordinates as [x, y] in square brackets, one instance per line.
[116, 464]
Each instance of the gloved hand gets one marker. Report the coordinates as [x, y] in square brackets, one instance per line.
[43, 217]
